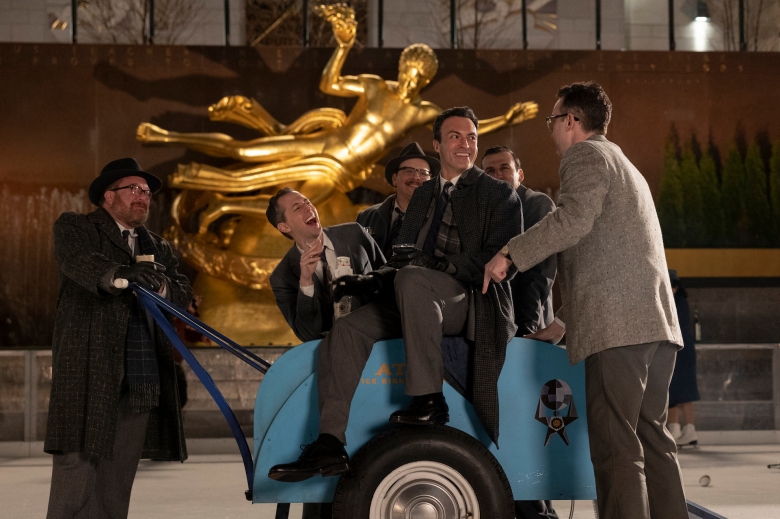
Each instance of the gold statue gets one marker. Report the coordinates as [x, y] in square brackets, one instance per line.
[219, 218]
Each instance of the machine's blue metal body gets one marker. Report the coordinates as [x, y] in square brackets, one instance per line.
[286, 416]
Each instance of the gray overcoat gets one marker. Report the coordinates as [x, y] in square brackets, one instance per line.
[612, 267]
[88, 347]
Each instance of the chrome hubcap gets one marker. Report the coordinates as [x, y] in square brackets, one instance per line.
[424, 490]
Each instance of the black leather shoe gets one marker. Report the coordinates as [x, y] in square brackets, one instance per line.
[429, 409]
[325, 456]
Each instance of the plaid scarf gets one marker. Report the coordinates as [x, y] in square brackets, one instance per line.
[140, 354]
[448, 239]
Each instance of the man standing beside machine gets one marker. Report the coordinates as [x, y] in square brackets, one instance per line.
[619, 310]
[531, 290]
[114, 395]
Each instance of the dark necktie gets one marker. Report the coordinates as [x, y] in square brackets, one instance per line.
[326, 278]
[126, 236]
[395, 228]
[433, 233]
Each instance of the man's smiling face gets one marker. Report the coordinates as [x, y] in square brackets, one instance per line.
[299, 218]
[458, 147]
[129, 209]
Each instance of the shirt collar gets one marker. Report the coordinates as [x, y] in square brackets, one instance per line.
[122, 228]
[443, 181]
[325, 242]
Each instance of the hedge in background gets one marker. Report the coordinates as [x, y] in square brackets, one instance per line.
[739, 208]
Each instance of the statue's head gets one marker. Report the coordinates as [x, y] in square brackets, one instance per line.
[416, 68]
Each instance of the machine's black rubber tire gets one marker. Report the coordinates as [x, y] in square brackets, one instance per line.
[443, 445]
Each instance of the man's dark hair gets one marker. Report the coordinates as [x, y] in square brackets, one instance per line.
[457, 111]
[589, 103]
[501, 149]
[274, 215]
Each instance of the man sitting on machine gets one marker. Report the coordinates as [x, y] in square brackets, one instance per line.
[453, 225]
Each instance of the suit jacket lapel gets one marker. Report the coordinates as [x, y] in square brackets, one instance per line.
[294, 259]
[385, 213]
[108, 226]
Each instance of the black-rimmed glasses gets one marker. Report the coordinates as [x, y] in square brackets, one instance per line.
[136, 190]
[549, 120]
[412, 171]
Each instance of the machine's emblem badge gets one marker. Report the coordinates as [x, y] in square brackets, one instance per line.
[556, 396]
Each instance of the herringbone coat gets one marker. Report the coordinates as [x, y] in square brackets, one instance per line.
[89, 343]
[612, 268]
[488, 213]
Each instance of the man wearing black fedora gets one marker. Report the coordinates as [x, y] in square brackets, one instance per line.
[406, 172]
[114, 397]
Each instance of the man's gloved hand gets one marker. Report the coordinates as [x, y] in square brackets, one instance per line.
[419, 258]
[144, 274]
[355, 285]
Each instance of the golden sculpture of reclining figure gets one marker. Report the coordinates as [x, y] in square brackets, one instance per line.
[324, 149]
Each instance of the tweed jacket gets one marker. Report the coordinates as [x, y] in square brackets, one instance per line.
[614, 281]
[488, 214]
[88, 346]
[310, 317]
[532, 289]
[377, 219]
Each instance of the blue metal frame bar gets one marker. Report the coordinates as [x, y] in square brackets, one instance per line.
[153, 302]
[222, 341]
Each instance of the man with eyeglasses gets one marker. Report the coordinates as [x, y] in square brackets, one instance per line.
[114, 396]
[620, 316]
[406, 172]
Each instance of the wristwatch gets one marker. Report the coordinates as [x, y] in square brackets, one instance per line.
[505, 252]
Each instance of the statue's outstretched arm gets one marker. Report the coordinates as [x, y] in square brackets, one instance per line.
[246, 112]
[342, 18]
[515, 115]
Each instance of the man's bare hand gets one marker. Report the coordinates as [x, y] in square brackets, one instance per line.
[496, 269]
[342, 18]
[309, 260]
[552, 334]
[520, 112]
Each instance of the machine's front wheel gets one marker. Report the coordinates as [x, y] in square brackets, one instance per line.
[424, 473]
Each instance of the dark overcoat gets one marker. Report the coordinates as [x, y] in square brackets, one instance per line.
[532, 290]
[88, 347]
[377, 219]
[488, 214]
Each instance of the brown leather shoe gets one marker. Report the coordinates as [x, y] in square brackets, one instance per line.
[428, 409]
[325, 456]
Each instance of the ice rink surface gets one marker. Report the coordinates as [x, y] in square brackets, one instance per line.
[212, 486]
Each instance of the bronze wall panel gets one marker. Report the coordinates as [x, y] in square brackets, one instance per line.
[67, 110]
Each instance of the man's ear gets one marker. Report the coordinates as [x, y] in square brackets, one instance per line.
[283, 227]
[394, 178]
[520, 175]
[436, 145]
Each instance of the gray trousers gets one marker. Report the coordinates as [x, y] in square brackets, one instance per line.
[634, 456]
[84, 486]
[428, 305]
